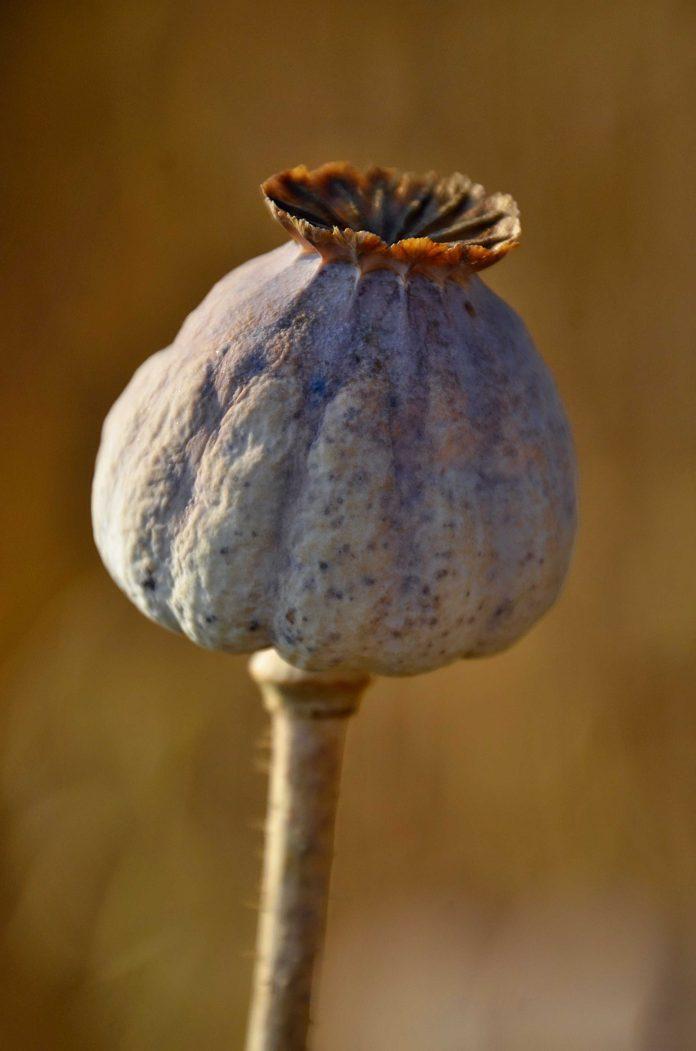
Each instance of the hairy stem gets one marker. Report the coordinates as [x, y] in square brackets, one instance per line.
[309, 713]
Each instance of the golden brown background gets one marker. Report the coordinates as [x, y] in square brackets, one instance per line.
[516, 856]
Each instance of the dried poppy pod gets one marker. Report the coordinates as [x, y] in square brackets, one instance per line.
[352, 451]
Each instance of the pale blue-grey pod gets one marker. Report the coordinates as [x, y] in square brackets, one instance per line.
[352, 451]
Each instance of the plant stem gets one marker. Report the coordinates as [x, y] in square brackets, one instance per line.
[309, 713]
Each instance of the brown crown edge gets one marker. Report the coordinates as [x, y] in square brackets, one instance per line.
[368, 250]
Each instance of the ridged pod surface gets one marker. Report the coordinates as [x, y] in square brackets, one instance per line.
[352, 451]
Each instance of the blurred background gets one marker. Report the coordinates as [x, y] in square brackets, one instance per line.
[516, 852]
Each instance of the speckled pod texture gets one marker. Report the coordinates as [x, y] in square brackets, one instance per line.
[361, 469]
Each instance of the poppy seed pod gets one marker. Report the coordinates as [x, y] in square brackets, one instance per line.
[352, 451]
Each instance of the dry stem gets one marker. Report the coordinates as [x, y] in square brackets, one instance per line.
[309, 714]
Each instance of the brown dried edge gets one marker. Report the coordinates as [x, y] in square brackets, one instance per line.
[336, 243]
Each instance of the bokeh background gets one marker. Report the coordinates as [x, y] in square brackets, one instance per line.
[516, 853]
